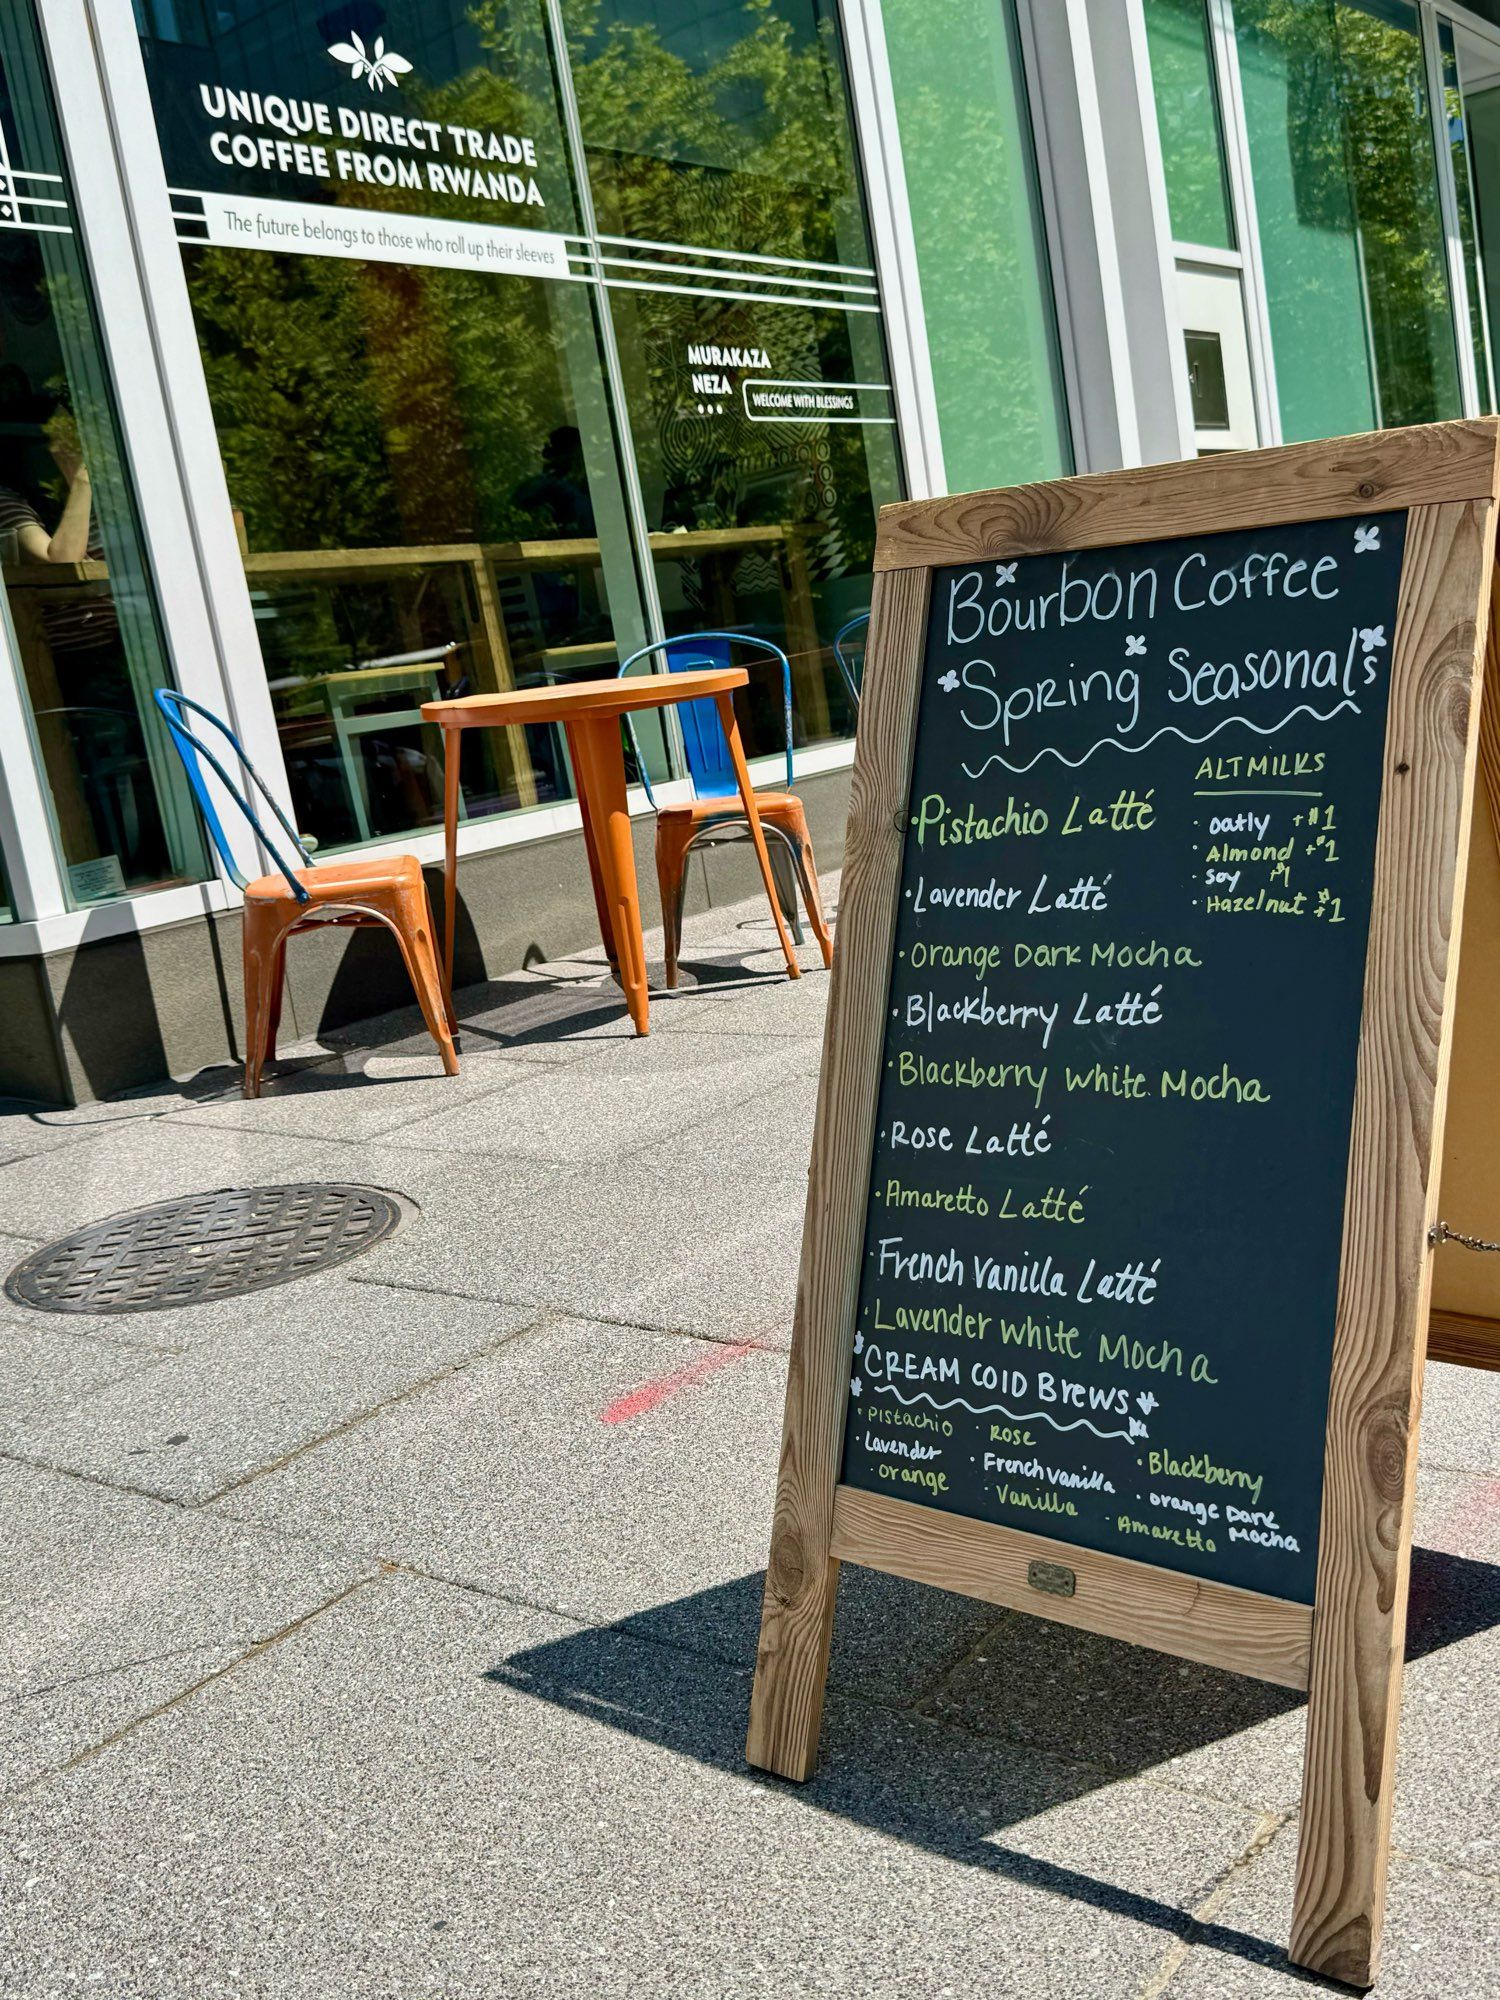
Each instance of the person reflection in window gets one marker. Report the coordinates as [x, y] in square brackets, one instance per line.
[561, 489]
[558, 496]
[69, 541]
[80, 621]
[77, 674]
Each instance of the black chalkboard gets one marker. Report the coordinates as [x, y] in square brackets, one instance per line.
[1107, 1189]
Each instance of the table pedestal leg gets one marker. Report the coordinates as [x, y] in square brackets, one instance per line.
[725, 705]
[591, 846]
[599, 760]
[452, 745]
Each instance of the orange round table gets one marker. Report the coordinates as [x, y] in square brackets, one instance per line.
[589, 712]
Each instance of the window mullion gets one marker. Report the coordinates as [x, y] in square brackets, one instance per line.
[1246, 222]
[186, 520]
[33, 868]
[1458, 282]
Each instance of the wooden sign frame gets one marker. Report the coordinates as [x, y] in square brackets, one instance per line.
[1347, 1649]
[1464, 1324]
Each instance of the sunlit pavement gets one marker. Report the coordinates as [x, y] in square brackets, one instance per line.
[389, 1632]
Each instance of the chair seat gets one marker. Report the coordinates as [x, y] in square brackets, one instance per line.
[330, 881]
[702, 811]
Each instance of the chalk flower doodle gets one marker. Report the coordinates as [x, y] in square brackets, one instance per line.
[856, 1387]
[1372, 637]
[379, 66]
[1135, 645]
[1004, 573]
[1366, 539]
[949, 681]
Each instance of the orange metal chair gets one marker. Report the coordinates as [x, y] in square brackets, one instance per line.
[715, 813]
[386, 891]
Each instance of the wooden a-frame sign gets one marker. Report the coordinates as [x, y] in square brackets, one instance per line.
[1345, 1646]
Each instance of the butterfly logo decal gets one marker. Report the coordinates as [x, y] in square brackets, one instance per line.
[379, 66]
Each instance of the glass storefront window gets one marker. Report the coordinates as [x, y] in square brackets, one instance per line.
[422, 412]
[78, 606]
[1188, 121]
[721, 162]
[1351, 236]
[382, 253]
[966, 150]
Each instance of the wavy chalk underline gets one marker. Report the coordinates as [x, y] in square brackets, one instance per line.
[993, 1409]
[1167, 729]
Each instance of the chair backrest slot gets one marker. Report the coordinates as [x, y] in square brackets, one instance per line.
[844, 645]
[190, 747]
[703, 739]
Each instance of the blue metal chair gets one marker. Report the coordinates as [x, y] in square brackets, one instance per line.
[373, 890]
[843, 647]
[715, 813]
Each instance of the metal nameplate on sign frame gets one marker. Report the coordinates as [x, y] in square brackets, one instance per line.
[1055, 1578]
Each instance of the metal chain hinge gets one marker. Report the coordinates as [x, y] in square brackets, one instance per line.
[1441, 1233]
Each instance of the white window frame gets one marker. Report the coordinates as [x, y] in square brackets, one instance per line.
[1248, 260]
[1433, 12]
[878, 140]
[1104, 206]
[104, 234]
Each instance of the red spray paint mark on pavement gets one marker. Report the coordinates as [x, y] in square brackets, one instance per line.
[638, 1401]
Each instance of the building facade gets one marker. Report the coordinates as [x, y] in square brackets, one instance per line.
[354, 355]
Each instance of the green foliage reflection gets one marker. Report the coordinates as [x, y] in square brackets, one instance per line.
[1346, 185]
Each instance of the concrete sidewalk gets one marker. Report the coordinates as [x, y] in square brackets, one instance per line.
[388, 1633]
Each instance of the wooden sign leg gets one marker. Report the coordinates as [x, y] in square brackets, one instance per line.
[1359, 1624]
[786, 1706]
[791, 1664]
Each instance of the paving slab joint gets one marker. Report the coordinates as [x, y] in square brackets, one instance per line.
[1204, 1911]
[190, 1693]
[375, 1409]
[93, 1478]
[558, 1316]
[1424, 1858]
[399, 1566]
[976, 1655]
[115, 1667]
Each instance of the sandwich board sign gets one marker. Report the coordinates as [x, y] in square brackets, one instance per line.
[1115, 1275]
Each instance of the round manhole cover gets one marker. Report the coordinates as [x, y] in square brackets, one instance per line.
[203, 1247]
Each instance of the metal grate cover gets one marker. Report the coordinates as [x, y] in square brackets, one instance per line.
[204, 1247]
